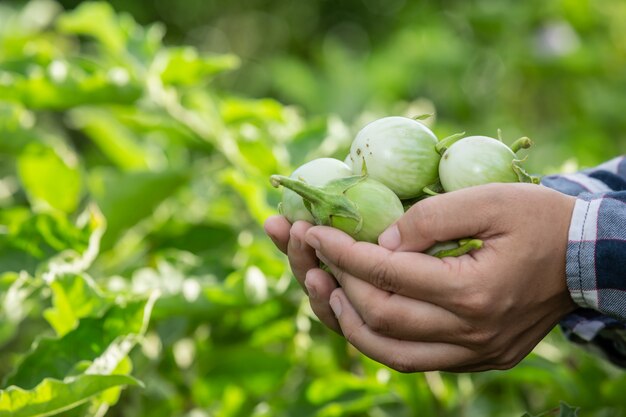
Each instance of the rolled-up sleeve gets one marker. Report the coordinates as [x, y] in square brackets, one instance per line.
[596, 257]
[596, 253]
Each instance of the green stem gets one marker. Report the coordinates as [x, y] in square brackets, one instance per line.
[423, 116]
[312, 193]
[521, 143]
[324, 202]
[430, 192]
[434, 189]
[445, 143]
[465, 247]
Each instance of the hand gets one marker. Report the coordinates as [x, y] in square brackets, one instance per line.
[317, 283]
[414, 312]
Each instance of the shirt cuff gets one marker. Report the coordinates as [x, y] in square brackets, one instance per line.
[580, 259]
[596, 253]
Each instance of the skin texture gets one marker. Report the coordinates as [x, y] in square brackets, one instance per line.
[413, 312]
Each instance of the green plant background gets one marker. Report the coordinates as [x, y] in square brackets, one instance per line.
[136, 142]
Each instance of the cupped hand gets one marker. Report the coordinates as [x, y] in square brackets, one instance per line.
[316, 282]
[414, 312]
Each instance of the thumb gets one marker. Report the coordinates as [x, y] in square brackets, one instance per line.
[455, 215]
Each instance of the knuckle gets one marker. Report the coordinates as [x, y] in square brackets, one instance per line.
[476, 303]
[479, 337]
[336, 273]
[502, 355]
[401, 364]
[377, 320]
[425, 219]
[343, 258]
[381, 274]
[507, 361]
[352, 335]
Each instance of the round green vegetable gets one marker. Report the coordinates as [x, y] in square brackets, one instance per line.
[399, 152]
[477, 160]
[316, 172]
[358, 205]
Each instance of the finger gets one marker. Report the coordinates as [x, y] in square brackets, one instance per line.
[400, 317]
[519, 345]
[456, 215]
[414, 275]
[277, 228]
[320, 284]
[401, 355]
[301, 256]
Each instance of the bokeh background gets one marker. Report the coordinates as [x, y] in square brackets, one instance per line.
[136, 142]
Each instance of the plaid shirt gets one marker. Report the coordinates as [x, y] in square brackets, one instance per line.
[596, 257]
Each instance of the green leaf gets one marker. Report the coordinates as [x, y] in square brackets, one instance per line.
[73, 298]
[254, 195]
[127, 198]
[355, 405]
[48, 179]
[16, 124]
[119, 34]
[63, 84]
[564, 410]
[31, 238]
[109, 31]
[102, 341]
[53, 396]
[118, 143]
[185, 66]
[329, 388]
[239, 110]
[568, 411]
[98, 404]
[14, 290]
[250, 368]
[14, 118]
[307, 140]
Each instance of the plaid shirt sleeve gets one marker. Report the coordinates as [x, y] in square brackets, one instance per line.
[596, 257]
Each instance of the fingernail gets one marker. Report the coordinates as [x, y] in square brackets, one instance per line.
[335, 305]
[312, 240]
[310, 289]
[390, 238]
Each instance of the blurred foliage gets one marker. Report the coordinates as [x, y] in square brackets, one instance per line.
[549, 70]
[133, 186]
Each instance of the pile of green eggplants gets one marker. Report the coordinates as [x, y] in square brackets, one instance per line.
[393, 163]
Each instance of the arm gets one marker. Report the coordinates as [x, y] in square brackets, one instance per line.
[596, 257]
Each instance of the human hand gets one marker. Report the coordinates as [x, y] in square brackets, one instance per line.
[317, 283]
[484, 310]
